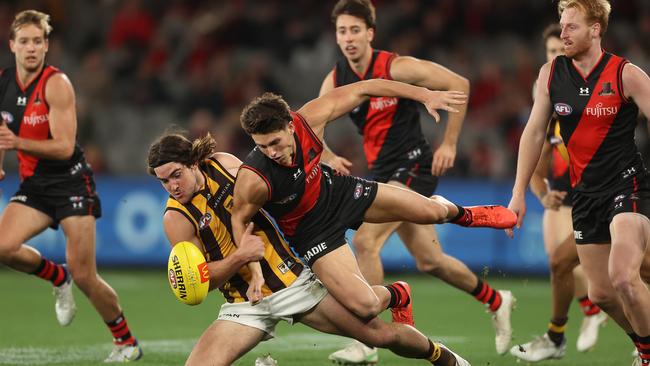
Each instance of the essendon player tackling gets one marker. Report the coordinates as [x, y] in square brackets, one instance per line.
[314, 207]
[597, 97]
[37, 104]
[200, 182]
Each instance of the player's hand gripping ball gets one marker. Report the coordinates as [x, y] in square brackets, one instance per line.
[187, 272]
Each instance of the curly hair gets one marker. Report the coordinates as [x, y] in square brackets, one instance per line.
[265, 114]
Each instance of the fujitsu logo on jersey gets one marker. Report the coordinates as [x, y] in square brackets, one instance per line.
[35, 119]
[382, 103]
[600, 111]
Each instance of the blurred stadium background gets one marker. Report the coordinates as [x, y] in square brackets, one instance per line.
[140, 66]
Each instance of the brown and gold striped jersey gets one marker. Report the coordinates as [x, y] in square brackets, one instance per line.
[210, 213]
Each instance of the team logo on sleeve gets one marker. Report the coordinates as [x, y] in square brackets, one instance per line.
[563, 109]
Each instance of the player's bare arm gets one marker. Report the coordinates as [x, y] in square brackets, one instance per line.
[435, 77]
[251, 193]
[530, 144]
[338, 163]
[2, 161]
[342, 100]
[60, 96]
[549, 198]
[178, 228]
[636, 86]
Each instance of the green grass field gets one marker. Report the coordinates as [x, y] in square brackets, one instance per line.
[167, 329]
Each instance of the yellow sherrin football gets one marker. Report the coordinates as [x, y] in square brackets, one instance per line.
[187, 273]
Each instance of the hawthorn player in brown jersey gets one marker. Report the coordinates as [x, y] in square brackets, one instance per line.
[39, 122]
[200, 182]
[597, 97]
[398, 154]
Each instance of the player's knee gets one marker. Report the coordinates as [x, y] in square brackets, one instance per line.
[365, 307]
[622, 281]
[602, 297]
[366, 244]
[432, 265]
[84, 278]
[560, 266]
[8, 251]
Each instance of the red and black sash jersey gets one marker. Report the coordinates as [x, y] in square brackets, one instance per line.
[597, 122]
[390, 126]
[297, 189]
[558, 177]
[209, 211]
[26, 111]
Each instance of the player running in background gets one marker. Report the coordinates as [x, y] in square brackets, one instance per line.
[200, 182]
[597, 97]
[39, 122]
[314, 207]
[398, 154]
[554, 194]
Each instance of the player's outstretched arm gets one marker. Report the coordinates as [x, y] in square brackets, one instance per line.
[178, 228]
[531, 143]
[343, 99]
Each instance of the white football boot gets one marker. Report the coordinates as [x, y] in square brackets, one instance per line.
[637, 362]
[459, 360]
[540, 348]
[501, 322]
[124, 353]
[356, 353]
[65, 306]
[589, 331]
[266, 360]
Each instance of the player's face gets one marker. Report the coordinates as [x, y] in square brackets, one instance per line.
[278, 146]
[554, 48]
[353, 36]
[30, 47]
[180, 181]
[577, 36]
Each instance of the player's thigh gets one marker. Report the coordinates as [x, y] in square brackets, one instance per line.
[19, 223]
[340, 274]
[594, 259]
[630, 233]
[557, 226]
[80, 247]
[371, 236]
[421, 241]
[223, 343]
[394, 203]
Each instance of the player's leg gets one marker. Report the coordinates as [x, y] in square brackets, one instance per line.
[630, 233]
[368, 241]
[339, 272]
[398, 204]
[218, 345]
[80, 256]
[19, 223]
[332, 317]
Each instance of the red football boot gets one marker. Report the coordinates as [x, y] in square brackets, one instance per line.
[497, 217]
[403, 313]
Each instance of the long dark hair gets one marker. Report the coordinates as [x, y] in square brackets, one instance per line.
[174, 147]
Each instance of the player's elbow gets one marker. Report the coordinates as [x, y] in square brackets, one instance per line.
[66, 151]
[462, 84]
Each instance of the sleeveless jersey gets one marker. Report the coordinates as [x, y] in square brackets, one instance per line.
[294, 190]
[210, 213]
[597, 122]
[26, 110]
[390, 126]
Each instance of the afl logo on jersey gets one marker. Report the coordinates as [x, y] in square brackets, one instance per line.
[358, 191]
[563, 109]
[7, 117]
